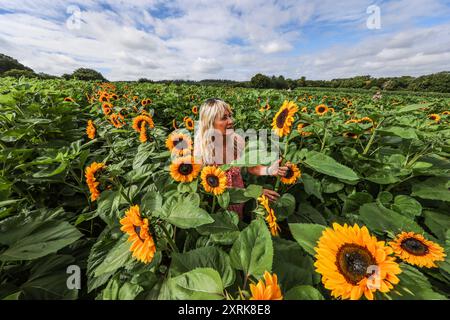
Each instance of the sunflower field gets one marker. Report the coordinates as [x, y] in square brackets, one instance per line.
[96, 183]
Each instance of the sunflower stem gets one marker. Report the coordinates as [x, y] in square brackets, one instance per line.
[169, 238]
[213, 204]
[369, 144]
[286, 145]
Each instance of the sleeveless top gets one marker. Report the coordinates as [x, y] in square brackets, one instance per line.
[234, 180]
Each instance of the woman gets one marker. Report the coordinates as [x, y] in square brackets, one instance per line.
[216, 143]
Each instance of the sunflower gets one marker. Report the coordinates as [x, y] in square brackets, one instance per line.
[267, 289]
[114, 96]
[107, 108]
[365, 120]
[104, 97]
[140, 124]
[117, 120]
[321, 109]
[143, 246]
[347, 258]
[446, 113]
[350, 135]
[416, 250]
[435, 117]
[184, 169]
[178, 143]
[146, 102]
[271, 219]
[331, 110]
[90, 129]
[304, 109]
[69, 99]
[300, 128]
[267, 107]
[351, 121]
[189, 123]
[91, 179]
[195, 110]
[214, 180]
[284, 118]
[292, 174]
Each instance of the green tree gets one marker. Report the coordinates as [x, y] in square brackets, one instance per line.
[87, 74]
[260, 81]
[7, 63]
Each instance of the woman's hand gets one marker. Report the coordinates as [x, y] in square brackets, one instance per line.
[276, 170]
[271, 195]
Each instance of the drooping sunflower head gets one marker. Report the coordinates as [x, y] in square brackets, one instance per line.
[140, 124]
[195, 110]
[350, 135]
[416, 250]
[189, 123]
[69, 99]
[107, 108]
[365, 120]
[214, 180]
[321, 109]
[292, 174]
[435, 117]
[116, 120]
[184, 169]
[143, 245]
[284, 118]
[178, 142]
[266, 288]
[352, 262]
[90, 130]
[91, 175]
[300, 128]
[271, 219]
[331, 110]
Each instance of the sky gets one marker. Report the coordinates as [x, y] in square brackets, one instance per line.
[228, 39]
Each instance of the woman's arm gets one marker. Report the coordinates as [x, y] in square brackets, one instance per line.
[273, 170]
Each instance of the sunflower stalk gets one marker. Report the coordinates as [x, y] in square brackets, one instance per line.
[169, 238]
[286, 145]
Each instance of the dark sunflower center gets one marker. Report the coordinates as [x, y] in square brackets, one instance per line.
[281, 119]
[289, 173]
[185, 169]
[414, 247]
[352, 261]
[137, 229]
[321, 109]
[212, 180]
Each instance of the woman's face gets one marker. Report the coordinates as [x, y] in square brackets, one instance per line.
[224, 124]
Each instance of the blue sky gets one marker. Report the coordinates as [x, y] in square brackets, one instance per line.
[229, 39]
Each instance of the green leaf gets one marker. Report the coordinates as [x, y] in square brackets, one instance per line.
[381, 220]
[312, 186]
[116, 258]
[355, 200]
[404, 133]
[48, 238]
[407, 206]
[292, 265]
[435, 188]
[303, 292]
[382, 177]
[207, 257]
[184, 212]
[253, 191]
[253, 250]
[223, 222]
[437, 222]
[327, 165]
[284, 206]
[197, 284]
[412, 107]
[151, 201]
[331, 186]
[413, 285]
[307, 235]
[224, 199]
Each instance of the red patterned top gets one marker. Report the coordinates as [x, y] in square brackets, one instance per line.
[234, 180]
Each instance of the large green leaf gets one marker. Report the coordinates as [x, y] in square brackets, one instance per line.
[435, 188]
[404, 133]
[49, 237]
[197, 284]
[407, 206]
[303, 292]
[307, 235]
[327, 165]
[184, 212]
[116, 258]
[437, 222]
[381, 220]
[253, 250]
[211, 257]
[312, 186]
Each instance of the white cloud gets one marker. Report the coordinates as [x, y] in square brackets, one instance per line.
[231, 39]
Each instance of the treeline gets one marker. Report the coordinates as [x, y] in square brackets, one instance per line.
[10, 67]
[437, 82]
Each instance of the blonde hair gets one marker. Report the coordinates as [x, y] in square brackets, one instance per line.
[204, 138]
